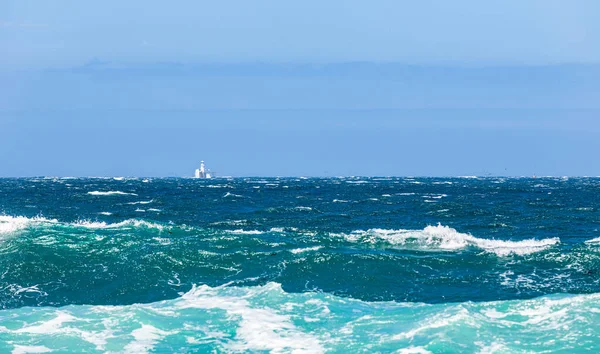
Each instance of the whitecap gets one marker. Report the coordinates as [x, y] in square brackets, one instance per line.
[231, 195]
[594, 241]
[445, 238]
[308, 249]
[267, 319]
[244, 232]
[260, 329]
[145, 338]
[231, 222]
[30, 349]
[141, 202]
[100, 193]
[303, 208]
[9, 224]
[126, 223]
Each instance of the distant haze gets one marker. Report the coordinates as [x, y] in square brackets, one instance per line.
[64, 33]
[315, 89]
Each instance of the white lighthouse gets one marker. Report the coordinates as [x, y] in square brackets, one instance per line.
[202, 172]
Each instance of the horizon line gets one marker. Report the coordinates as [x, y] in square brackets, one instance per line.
[303, 176]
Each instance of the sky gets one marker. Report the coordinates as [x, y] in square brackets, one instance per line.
[308, 88]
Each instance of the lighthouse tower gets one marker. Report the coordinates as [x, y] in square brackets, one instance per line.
[202, 172]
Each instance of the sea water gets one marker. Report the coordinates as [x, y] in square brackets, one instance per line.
[304, 265]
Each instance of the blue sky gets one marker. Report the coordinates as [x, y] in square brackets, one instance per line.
[63, 32]
[308, 88]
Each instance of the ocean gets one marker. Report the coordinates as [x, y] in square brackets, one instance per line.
[302, 265]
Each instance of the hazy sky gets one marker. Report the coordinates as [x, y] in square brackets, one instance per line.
[70, 32]
[300, 88]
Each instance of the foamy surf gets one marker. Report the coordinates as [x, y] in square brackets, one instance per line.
[594, 241]
[130, 223]
[108, 193]
[141, 202]
[10, 224]
[445, 238]
[268, 319]
[244, 232]
[307, 249]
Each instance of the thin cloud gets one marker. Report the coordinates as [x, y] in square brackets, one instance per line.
[22, 25]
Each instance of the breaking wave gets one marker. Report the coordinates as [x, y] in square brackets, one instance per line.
[100, 193]
[445, 238]
[10, 224]
[431, 238]
[267, 318]
[141, 202]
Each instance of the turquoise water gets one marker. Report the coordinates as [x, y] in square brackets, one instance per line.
[408, 265]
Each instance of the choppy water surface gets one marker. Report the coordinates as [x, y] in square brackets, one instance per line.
[413, 265]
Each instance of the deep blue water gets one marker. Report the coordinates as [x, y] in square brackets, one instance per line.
[312, 265]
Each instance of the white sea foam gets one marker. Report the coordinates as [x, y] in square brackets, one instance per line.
[100, 193]
[445, 238]
[231, 222]
[260, 329]
[9, 224]
[105, 213]
[30, 349]
[50, 326]
[231, 195]
[308, 249]
[267, 319]
[435, 196]
[594, 241]
[127, 223]
[413, 350]
[245, 232]
[146, 338]
[303, 208]
[141, 202]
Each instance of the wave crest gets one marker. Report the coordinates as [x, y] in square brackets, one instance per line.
[267, 318]
[100, 193]
[446, 238]
[10, 224]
